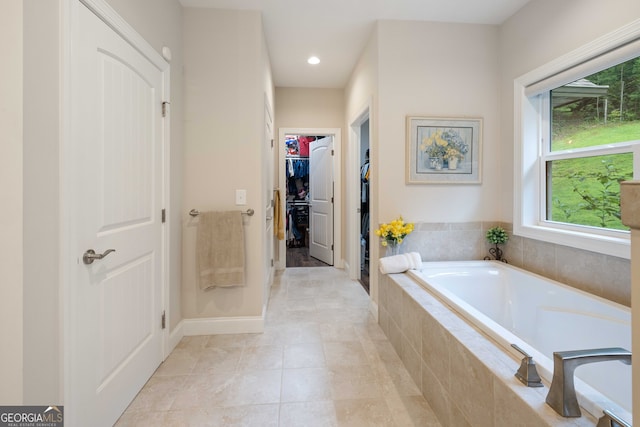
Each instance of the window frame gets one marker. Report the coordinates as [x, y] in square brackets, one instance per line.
[532, 148]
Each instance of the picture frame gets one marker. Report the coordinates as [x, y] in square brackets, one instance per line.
[444, 150]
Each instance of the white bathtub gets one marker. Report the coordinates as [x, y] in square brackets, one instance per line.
[541, 316]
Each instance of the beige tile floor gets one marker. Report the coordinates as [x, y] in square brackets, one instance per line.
[321, 361]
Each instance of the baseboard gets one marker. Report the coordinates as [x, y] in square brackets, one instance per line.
[175, 336]
[373, 308]
[223, 325]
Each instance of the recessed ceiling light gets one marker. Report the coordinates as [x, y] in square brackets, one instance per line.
[314, 60]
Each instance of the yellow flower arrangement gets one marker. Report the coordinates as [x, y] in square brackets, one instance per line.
[453, 153]
[394, 232]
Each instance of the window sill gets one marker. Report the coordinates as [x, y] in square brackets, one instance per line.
[608, 245]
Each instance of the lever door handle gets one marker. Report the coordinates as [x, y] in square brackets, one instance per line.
[90, 255]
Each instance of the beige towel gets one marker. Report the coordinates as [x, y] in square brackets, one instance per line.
[400, 263]
[220, 249]
[278, 218]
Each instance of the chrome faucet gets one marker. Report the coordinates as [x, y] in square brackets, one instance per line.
[527, 373]
[609, 419]
[562, 393]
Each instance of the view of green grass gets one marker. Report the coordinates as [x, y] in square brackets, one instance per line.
[596, 177]
[570, 137]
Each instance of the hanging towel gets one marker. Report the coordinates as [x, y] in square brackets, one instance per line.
[278, 218]
[220, 249]
[400, 263]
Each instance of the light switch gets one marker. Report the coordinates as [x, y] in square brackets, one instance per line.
[241, 197]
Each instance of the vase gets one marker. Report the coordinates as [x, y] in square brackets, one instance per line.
[393, 248]
[453, 163]
[438, 163]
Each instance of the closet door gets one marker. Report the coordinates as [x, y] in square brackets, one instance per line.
[321, 204]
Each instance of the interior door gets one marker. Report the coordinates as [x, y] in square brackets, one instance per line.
[116, 141]
[321, 200]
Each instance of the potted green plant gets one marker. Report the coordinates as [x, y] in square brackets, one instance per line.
[496, 236]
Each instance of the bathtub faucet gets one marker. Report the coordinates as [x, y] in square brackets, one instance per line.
[562, 393]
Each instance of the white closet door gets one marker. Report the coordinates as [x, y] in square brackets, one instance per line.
[321, 208]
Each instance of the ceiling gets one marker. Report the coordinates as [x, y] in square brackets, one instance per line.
[337, 31]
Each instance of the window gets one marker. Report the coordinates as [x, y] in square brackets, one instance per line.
[593, 127]
[577, 124]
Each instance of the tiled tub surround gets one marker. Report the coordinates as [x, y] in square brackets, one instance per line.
[603, 275]
[466, 377]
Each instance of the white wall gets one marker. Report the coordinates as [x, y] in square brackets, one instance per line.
[224, 83]
[11, 260]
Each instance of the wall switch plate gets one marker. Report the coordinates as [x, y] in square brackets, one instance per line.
[241, 197]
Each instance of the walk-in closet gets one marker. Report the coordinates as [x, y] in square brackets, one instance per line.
[297, 174]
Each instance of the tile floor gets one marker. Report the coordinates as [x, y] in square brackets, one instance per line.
[321, 361]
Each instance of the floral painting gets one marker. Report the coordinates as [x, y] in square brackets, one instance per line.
[443, 150]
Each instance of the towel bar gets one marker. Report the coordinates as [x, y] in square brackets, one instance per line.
[196, 212]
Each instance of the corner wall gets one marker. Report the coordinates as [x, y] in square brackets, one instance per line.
[224, 99]
[11, 194]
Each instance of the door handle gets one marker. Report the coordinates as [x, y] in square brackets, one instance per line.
[90, 255]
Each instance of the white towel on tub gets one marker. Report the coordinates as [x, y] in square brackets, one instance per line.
[400, 263]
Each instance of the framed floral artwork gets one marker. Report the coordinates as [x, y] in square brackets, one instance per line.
[443, 150]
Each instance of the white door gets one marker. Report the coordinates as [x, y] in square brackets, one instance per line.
[115, 341]
[321, 204]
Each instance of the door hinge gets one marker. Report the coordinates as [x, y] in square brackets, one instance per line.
[271, 142]
[164, 320]
[331, 199]
[164, 215]
[332, 152]
[271, 262]
[164, 108]
[332, 246]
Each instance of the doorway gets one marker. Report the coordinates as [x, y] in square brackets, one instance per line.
[308, 201]
[365, 173]
[359, 192]
[309, 184]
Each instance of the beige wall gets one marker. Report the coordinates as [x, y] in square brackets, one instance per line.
[437, 69]
[311, 108]
[11, 260]
[526, 44]
[42, 194]
[224, 84]
[361, 93]
[428, 69]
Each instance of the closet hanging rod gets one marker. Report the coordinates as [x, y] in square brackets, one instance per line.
[196, 212]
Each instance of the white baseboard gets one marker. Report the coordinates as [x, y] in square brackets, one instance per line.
[175, 336]
[373, 308]
[223, 325]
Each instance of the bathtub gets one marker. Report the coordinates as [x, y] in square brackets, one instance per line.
[541, 316]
